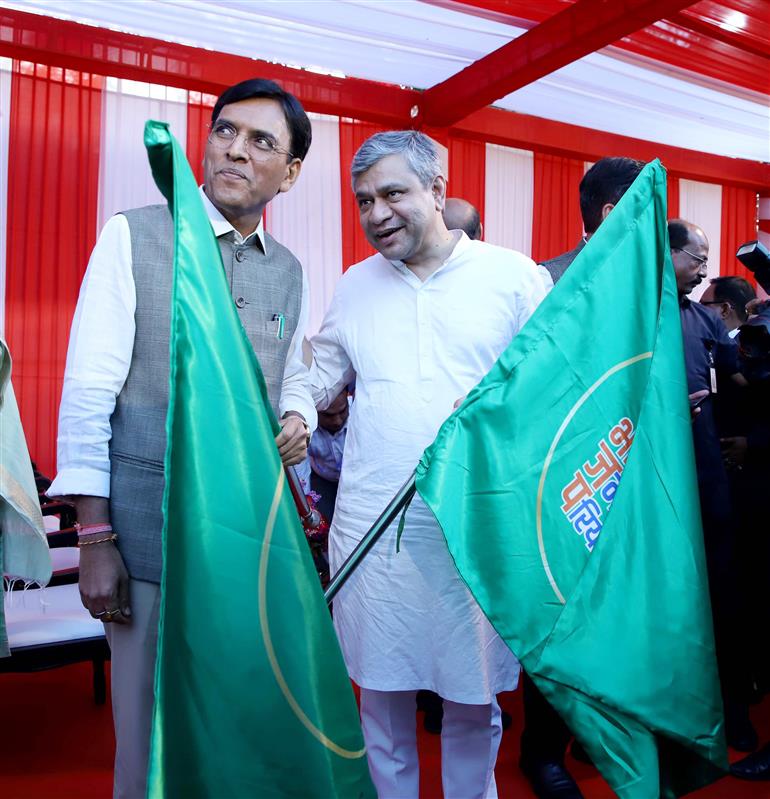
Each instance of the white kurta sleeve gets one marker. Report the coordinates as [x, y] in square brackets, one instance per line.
[98, 359]
[531, 293]
[332, 368]
[295, 390]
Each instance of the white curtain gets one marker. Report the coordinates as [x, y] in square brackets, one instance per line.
[308, 219]
[701, 203]
[125, 179]
[5, 113]
[764, 216]
[508, 198]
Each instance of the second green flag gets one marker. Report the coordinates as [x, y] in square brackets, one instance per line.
[566, 490]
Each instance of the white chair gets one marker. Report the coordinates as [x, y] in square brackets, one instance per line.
[49, 627]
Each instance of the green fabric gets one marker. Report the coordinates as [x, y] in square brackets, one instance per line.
[618, 638]
[251, 694]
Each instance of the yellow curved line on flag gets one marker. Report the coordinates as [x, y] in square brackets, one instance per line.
[270, 650]
[549, 457]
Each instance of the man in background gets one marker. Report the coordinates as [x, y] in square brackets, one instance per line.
[600, 191]
[461, 215]
[545, 737]
[711, 363]
[320, 471]
[728, 297]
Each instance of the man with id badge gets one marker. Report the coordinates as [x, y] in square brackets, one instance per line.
[711, 361]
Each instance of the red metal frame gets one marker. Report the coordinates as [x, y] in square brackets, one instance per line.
[534, 133]
[576, 31]
[703, 39]
[68, 44]
[33, 37]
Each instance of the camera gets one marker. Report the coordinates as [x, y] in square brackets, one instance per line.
[754, 347]
[756, 258]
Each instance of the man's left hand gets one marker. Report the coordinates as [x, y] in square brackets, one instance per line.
[292, 440]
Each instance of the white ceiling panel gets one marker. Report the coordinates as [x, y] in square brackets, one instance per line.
[411, 43]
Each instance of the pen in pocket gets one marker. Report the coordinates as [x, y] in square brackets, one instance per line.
[278, 317]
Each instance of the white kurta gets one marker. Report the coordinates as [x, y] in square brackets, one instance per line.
[406, 621]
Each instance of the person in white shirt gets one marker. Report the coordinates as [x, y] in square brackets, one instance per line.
[418, 324]
[112, 418]
[320, 471]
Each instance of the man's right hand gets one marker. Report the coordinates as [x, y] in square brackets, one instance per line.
[104, 583]
[696, 398]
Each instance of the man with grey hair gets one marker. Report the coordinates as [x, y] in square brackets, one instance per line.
[418, 324]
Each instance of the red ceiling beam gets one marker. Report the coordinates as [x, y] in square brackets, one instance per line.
[71, 45]
[680, 40]
[534, 133]
[711, 29]
[578, 30]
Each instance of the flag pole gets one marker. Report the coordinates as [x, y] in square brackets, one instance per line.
[405, 493]
[310, 517]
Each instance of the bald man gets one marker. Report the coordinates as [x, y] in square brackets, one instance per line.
[461, 215]
[711, 361]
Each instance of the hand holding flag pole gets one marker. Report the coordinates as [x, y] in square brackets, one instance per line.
[394, 507]
[310, 517]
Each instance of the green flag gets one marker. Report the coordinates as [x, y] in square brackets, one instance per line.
[251, 695]
[602, 595]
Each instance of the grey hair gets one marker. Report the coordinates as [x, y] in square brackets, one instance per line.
[418, 149]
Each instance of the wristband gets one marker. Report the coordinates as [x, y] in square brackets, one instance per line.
[112, 537]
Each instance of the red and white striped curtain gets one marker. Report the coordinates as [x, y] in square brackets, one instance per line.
[53, 185]
[739, 225]
[467, 167]
[556, 222]
[71, 154]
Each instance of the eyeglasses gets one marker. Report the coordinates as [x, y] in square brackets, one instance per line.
[259, 146]
[699, 258]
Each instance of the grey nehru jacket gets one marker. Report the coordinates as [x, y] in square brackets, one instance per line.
[558, 266]
[263, 285]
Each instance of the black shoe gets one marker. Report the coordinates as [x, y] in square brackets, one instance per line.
[754, 767]
[739, 730]
[550, 780]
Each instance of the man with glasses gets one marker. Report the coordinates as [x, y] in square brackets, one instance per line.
[112, 419]
[728, 297]
[711, 366]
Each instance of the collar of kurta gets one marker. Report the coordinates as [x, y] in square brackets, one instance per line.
[462, 245]
[222, 227]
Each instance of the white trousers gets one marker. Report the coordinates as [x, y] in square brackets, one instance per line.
[470, 738]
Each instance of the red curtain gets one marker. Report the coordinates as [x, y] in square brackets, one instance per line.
[355, 247]
[467, 171]
[53, 186]
[672, 186]
[556, 221]
[739, 225]
[198, 116]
